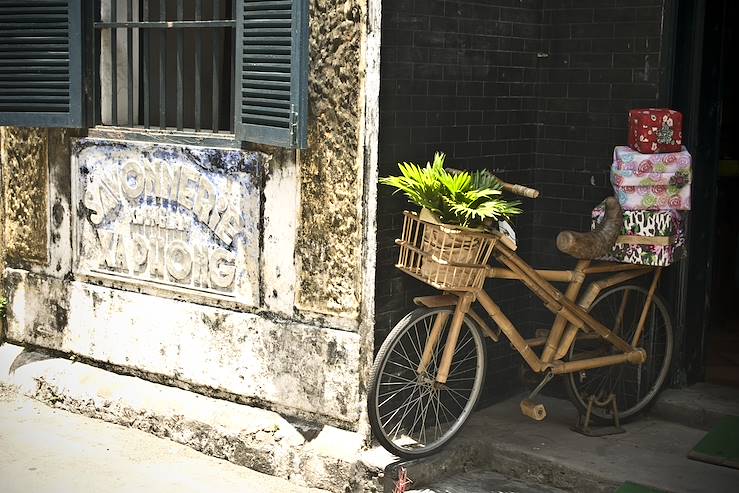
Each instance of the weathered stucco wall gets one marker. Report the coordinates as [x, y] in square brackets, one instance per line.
[305, 346]
[24, 155]
[329, 243]
[291, 367]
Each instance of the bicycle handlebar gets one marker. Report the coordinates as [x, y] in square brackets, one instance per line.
[521, 190]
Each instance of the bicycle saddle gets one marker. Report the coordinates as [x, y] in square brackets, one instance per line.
[598, 242]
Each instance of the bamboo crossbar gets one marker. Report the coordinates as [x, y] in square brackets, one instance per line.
[611, 267]
[549, 275]
[495, 336]
[507, 327]
[540, 341]
[635, 357]
[574, 313]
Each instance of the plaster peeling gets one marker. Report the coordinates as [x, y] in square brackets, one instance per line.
[329, 243]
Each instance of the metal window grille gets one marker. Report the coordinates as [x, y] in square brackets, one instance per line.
[165, 64]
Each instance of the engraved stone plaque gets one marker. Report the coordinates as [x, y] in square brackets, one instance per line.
[178, 220]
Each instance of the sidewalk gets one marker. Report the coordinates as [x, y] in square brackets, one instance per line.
[500, 439]
[44, 450]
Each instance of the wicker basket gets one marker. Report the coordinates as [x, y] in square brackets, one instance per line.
[447, 258]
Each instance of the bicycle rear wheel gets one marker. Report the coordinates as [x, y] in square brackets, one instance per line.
[635, 386]
[411, 415]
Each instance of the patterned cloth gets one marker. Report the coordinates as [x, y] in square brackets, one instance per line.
[651, 181]
[668, 223]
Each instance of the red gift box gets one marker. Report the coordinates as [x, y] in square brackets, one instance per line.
[653, 130]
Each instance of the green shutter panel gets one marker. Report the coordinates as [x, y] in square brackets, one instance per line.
[41, 63]
[272, 72]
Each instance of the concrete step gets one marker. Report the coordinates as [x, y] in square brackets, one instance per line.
[652, 452]
[483, 481]
[322, 457]
[698, 406]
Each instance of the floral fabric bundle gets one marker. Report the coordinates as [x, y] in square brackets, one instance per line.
[651, 181]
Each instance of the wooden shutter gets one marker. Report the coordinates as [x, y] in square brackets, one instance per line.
[272, 72]
[41, 63]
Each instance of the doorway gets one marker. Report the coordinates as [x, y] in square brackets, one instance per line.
[704, 81]
[722, 341]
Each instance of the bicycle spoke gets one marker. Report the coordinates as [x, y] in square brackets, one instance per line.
[411, 413]
[423, 419]
[397, 410]
[395, 351]
[392, 375]
[392, 394]
[418, 405]
[401, 366]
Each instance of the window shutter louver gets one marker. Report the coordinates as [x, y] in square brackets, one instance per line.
[272, 72]
[41, 63]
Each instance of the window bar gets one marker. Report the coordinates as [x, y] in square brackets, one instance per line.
[162, 67]
[113, 64]
[233, 85]
[216, 64]
[145, 65]
[198, 63]
[129, 62]
[96, 89]
[180, 77]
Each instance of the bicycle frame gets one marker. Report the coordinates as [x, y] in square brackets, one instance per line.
[572, 318]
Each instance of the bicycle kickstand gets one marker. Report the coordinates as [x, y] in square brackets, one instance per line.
[530, 408]
[585, 427]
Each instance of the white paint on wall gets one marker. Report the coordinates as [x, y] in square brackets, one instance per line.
[281, 205]
[168, 218]
[295, 368]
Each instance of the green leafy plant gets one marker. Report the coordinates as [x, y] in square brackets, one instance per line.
[3, 303]
[457, 197]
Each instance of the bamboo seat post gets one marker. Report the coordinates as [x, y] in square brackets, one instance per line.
[560, 322]
[647, 306]
[463, 305]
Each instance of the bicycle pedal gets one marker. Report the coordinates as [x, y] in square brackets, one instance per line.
[535, 411]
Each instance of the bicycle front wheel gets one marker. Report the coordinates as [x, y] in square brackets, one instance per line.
[410, 413]
[634, 386]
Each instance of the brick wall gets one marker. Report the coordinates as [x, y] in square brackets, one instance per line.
[458, 77]
[536, 90]
[603, 59]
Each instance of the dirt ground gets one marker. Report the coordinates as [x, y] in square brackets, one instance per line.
[45, 450]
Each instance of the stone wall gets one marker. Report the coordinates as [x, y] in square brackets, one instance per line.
[329, 243]
[301, 348]
[24, 155]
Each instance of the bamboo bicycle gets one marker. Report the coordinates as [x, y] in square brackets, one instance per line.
[614, 340]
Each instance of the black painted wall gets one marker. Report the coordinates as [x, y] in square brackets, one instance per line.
[537, 90]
